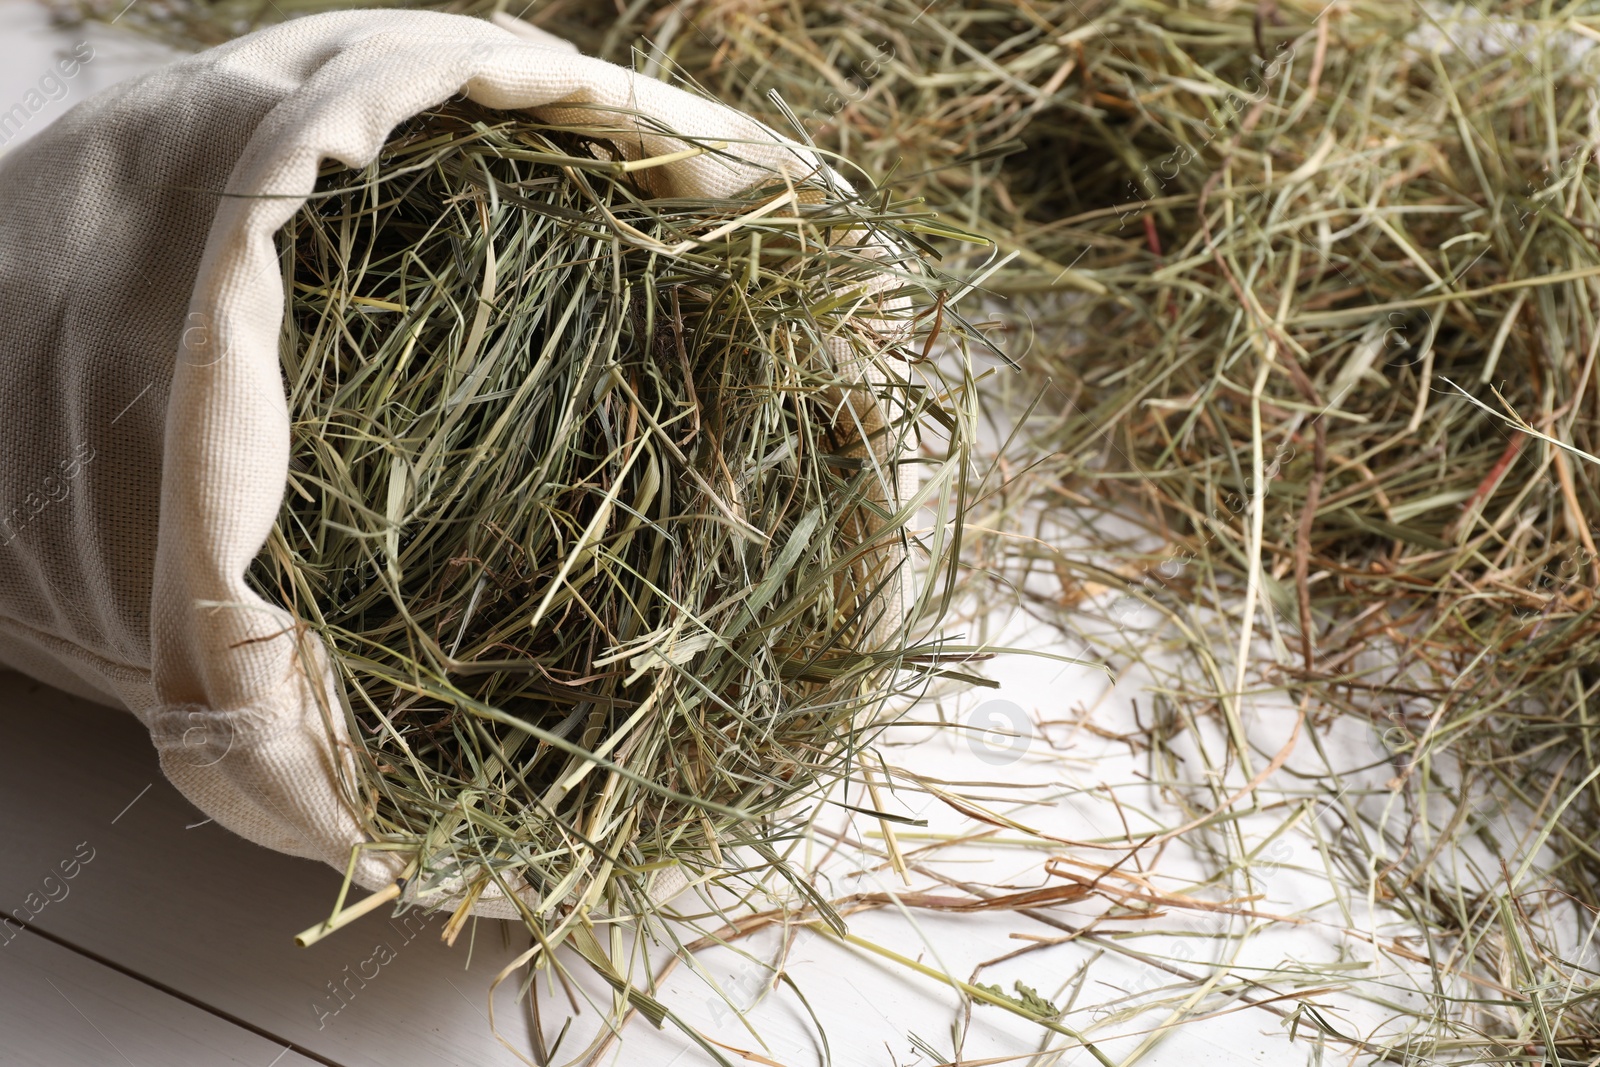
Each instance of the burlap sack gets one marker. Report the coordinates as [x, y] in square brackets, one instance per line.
[144, 441]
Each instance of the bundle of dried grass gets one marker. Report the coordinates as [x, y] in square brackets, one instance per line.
[597, 500]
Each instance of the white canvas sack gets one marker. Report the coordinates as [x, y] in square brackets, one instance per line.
[144, 441]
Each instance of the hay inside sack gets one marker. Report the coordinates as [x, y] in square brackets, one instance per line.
[595, 500]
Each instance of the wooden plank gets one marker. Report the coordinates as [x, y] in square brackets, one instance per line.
[60, 1009]
[157, 890]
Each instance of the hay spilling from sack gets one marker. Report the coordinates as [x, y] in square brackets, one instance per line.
[1257, 248]
[595, 499]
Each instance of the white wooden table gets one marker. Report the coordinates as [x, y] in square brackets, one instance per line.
[172, 943]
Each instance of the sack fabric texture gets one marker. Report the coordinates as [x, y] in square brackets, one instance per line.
[144, 435]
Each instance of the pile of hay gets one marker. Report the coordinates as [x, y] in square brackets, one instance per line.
[1329, 335]
[596, 499]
